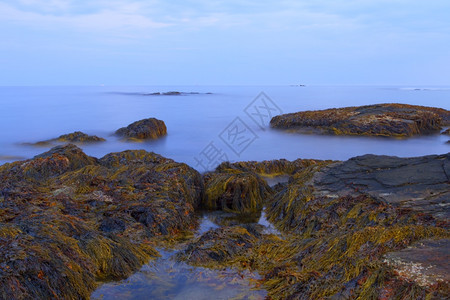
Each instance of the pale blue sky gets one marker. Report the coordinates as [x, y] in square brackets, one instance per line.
[155, 42]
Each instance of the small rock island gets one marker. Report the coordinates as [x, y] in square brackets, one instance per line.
[150, 128]
[390, 120]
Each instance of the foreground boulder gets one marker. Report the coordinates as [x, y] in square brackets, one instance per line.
[394, 120]
[144, 129]
[68, 220]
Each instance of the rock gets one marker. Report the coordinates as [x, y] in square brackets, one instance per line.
[425, 262]
[170, 93]
[234, 191]
[173, 93]
[348, 217]
[74, 137]
[219, 246]
[144, 129]
[393, 120]
[269, 167]
[418, 183]
[446, 132]
[276, 173]
[79, 137]
[68, 220]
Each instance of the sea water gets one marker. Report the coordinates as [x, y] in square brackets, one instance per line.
[201, 120]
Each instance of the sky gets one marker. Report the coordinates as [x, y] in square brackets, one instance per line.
[207, 42]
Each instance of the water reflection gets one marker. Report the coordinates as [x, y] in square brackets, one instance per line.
[164, 278]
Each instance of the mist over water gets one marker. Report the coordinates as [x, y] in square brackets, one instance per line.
[31, 114]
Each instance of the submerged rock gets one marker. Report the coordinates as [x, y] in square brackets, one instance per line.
[394, 120]
[68, 220]
[144, 129]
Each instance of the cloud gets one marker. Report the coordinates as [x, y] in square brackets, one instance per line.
[120, 22]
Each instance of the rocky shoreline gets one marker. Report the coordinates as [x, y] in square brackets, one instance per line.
[347, 229]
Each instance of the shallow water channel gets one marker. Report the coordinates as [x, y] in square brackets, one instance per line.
[166, 278]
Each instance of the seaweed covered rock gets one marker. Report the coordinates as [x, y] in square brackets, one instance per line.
[235, 191]
[218, 246]
[79, 137]
[269, 167]
[150, 128]
[68, 220]
[74, 137]
[394, 120]
[347, 217]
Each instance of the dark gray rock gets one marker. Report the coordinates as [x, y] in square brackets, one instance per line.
[419, 183]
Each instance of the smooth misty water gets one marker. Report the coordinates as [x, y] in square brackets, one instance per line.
[31, 114]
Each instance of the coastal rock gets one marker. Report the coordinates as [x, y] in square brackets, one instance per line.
[144, 129]
[426, 262]
[348, 218]
[393, 120]
[418, 183]
[77, 137]
[68, 220]
[269, 167]
[234, 191]
[446, 132]
[219, 246]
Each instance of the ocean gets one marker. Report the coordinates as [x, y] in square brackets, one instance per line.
[205, 124]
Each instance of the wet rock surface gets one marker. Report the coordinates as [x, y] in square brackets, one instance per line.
[144, 129]
[69, 220]
[393, 120]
